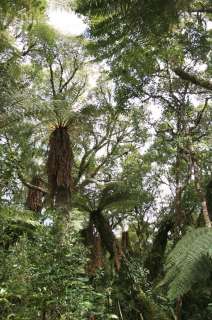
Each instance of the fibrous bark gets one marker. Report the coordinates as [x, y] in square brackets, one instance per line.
[59, 165]
[34, 200]
[92, 240]
[107, 236]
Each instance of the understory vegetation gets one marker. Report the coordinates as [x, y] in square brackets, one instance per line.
[105, 156]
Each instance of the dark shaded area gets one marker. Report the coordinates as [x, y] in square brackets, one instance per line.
[154, 262]
[107, 236]
[92, 240]
[209, 198]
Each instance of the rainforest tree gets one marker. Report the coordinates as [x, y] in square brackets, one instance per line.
[105, 188]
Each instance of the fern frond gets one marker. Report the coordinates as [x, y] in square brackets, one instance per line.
[189, 263]
[82, 202]
[116, 195]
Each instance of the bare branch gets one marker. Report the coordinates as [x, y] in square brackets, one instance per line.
[29, 185]
[52, 80]
[62, 87]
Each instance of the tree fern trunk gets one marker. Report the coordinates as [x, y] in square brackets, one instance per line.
[34, 201]
[93, 241]
[59, 166]
[107, 236]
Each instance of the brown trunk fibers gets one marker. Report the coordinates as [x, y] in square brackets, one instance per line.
[59, 165]
[34, 200]
[107, 236]
[92, 240]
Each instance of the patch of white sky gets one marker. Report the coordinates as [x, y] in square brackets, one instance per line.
[65, 20]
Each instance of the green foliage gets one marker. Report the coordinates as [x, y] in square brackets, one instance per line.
[131, 165]
[14, 223]
[38, 277]
[189, 263]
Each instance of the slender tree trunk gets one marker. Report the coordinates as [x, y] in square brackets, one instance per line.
[125, 241]
[43, 317]
[179, 308]
[199, 189]
[178, 218]
[200, 192]
[178, 194]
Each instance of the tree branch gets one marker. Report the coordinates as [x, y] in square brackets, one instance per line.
[202, 10]
[206, 84]
[52, 80]
[29, 185]
[69, 79]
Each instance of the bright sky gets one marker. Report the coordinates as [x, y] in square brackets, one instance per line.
[65, 21]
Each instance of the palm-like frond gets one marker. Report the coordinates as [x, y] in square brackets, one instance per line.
[82, 202]
[190, 262]
[116, 195]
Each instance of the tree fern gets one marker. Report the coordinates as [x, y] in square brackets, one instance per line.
[190, 262]
[117, 195]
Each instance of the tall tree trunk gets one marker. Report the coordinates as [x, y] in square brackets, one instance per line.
[59, 167]
[92, 240]
[125, 241]
[179, 308]
[199, 189]
[108, 238]
[178, 191]
[154, 262]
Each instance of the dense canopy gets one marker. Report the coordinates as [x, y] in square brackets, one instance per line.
[105, 156]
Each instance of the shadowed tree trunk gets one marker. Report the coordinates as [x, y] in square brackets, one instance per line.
[92, 240]
[199, 189]
[125, 241]
[178, 191]
[155, 260]
[107, 236]
[209, 199]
